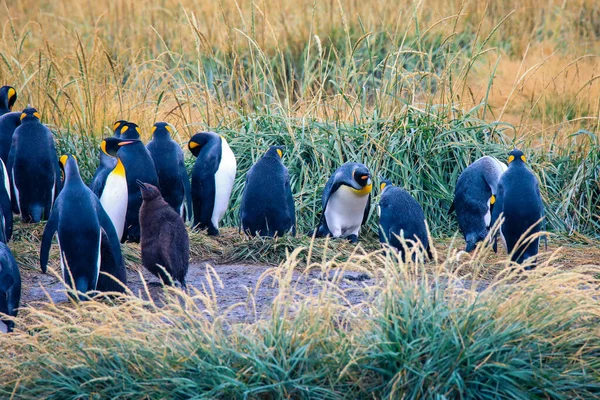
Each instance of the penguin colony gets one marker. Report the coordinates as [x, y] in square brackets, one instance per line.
[143, 194]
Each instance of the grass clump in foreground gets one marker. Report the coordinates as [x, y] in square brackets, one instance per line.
[413, 335]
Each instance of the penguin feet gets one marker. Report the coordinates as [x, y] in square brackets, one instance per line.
[213, 231]
[352, 239]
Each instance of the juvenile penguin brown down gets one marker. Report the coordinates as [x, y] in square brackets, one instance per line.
[164, 239]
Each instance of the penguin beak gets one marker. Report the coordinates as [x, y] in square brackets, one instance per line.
[126, 143]
[141, 184]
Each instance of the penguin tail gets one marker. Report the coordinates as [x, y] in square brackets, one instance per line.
[36, 211]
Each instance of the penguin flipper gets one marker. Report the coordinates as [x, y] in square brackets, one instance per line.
[108, 227]
[9, 167]
[6, 206]
[367, 210]
[49, 231]
[187, 190]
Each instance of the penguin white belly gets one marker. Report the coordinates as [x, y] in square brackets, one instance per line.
[224, 179]
[487, 218]
[99, 260]
[3, 327]
[16, 190]
[345, 211]
[114, 201]
[6, 181]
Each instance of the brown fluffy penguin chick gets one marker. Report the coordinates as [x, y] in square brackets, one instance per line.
[164, 239]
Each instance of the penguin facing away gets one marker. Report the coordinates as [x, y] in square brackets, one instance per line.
[346, 202]
[213, 177]
[267, 207]
[139, 166]
[115, 195]
[6, 215]
[401, 216]
[10, 287]
[164, 241]
[173, 179]
[8, 96]
[520, 202]
[79, 220]
[107, 164]
[474, 198]
[33, 168]
[8, 123]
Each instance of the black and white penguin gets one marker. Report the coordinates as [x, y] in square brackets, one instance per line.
[520, 202]
[346, 202]
[10, 287]
[173, 179]
[267, 207]
[474, 198]
[139, 166]
[115, 194]
[8, 96]
[107, 164]
[79, 220]
[212, 179]
[400, 216]
[6, 215]
[33, 168]
[8, 123]
[164, 242]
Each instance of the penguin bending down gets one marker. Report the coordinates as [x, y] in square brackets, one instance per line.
[164, 241]
[400, 216]
[139, 165]
[520, 201]
[10, 287]
[8, 96]
[115, 194]
[6, 215]
[107, 164]
[212, 179]
[8, 123]
[474, 198]
[173, 179]
[33, 168]
[346, 202]
[267, 207]
[80, 221]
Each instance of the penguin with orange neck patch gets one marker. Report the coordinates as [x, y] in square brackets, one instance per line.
[8, 96]
[346, 202]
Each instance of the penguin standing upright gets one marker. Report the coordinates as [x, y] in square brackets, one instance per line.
[8, 96]
[79, 220]
[212, 179]
[400, 216]
[33, 168]
[10, 287]
[139, 165]
[173, 179]
[8, 123]
[267, 207]
[474, 198]
[6, 215]
[520, 201]
[164, 242]
[107, 164]
[346, 202]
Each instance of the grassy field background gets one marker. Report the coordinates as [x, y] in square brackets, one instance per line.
[415, 90]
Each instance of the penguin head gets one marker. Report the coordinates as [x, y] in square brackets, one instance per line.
[149, 192]
[201, 139]
[384, 183]
[516, 156]
[361, 176]
[68, 165]
[117, 127]
[129, 130]
[111, 145]
[8, 96]
[30, 114]
[162, 130]
[275, 151]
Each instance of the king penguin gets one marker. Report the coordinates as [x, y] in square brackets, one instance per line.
[33, 168]
[520, 201]
[212, 179]
[267, 207]
[79, 220]
[6, 215]
[139, 165]
[10, 287]
[173, 179]
[115, 195]
[474, 198]
[400, 216]
[107, 164]
[8, 96]
[346, 202]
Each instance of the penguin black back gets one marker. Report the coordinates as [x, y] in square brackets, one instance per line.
[401, 216]
[8, 123]
[107, 164]
[173, 179]
[267, 207]
[164, 239]
[139, 166]
[10, 287]
[8, 96]
[520, 201]
[33, 168]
